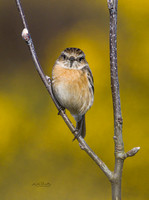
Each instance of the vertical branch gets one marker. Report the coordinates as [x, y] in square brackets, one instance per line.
[120, 155]
[119, 145]
[114, 80]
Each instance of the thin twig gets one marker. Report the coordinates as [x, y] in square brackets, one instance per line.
[47, 82]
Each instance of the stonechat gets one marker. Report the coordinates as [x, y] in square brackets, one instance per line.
[73, 86]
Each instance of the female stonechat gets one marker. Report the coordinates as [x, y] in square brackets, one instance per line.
[73, 86]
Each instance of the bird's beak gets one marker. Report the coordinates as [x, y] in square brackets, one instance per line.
[72, 59]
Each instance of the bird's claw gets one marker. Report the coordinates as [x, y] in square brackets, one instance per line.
[61, 109]
[77, 135]
[48, 78]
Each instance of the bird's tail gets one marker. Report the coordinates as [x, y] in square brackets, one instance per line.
[81, 126]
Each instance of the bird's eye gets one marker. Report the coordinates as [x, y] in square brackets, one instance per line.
[81, 58]
[64, 56]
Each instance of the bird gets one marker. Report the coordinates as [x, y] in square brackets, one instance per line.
[73, 85]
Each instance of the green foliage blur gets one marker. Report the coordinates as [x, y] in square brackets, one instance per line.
[36, 147]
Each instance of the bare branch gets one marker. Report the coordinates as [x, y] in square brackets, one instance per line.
[119, 145]
[47, 82]
[120, 155]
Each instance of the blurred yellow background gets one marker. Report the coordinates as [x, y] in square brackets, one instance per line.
[35, 145]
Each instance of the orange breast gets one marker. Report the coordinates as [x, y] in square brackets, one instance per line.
[71, 89]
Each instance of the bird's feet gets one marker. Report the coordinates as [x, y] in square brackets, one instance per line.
[61, 108]
[77, 134]
[48, 79]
